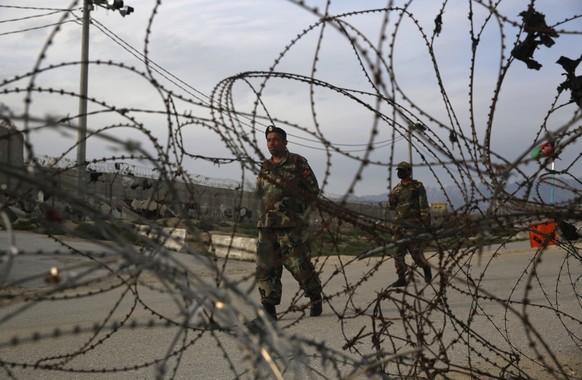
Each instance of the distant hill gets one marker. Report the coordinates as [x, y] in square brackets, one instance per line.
[564, 191]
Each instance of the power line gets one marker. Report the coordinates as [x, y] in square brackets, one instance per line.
[157, 68]
[35, 8]
[29, 17]
[51, 11]
[200, 96]
[37, 28]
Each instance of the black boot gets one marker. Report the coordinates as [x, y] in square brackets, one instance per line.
[427, 274]
[316, 306]
[399, 283]
[270, 310]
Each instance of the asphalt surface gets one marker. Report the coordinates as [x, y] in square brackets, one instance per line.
[76, 332]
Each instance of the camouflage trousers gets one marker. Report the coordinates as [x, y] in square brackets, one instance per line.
[416, 250]
[289, 248]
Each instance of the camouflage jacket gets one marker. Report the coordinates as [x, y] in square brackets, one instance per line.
[285, 190]
[411, 206]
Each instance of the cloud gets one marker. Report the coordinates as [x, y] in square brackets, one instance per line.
[194, 46]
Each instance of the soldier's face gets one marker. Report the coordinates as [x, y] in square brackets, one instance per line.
[276, 144]
[403, 173]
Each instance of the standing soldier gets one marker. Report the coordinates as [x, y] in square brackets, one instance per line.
[286, 186]
[408, 199]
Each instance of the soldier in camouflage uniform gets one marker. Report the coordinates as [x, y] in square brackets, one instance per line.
[286, 185]
[408, 199]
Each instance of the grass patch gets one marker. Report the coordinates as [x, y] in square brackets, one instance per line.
[347, 241]
[247, 229]
[90, 231]
[24, 225]
[205, 226]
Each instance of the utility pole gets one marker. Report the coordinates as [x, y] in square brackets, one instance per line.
[84, 84]
[410, 127]
[82, 132]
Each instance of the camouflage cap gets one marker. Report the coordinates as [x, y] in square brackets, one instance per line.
[273, 129]
[403, 165]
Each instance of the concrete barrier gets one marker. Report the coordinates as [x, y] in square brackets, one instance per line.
[237, 247]
[171, 238]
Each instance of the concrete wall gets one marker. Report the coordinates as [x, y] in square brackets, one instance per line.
[198, 201]
[184, 199]
[11, 156]
[161, 199]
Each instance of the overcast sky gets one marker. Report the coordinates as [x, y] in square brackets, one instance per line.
[195, 45]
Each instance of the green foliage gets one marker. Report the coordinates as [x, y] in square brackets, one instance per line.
[90, 231]
[52, 228]
[244, 229]
[348, 241]
[205, 226]
[247, 229]
[24, 225]
[127, 233]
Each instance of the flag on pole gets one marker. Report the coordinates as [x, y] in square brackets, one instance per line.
[543, 150]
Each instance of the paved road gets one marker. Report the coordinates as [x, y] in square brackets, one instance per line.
[77, 331]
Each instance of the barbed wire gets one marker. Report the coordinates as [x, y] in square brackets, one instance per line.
[487, 314]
